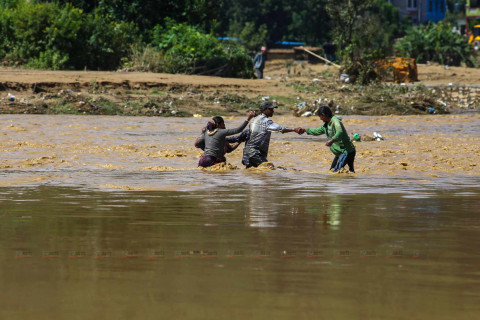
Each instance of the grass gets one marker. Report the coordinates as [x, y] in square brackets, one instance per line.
[139, 92]
[287, 101]
[62, 108]
[157, 92]
[303, 87]
[235, 101]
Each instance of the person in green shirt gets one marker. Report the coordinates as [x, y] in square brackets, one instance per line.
[338, 140]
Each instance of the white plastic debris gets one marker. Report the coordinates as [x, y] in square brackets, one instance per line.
[377, 136]
[441, 102]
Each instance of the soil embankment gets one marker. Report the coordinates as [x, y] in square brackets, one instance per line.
[135, 93]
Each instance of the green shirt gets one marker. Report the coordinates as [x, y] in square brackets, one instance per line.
[336, 131]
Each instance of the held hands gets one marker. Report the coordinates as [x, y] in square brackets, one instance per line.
[300, 130]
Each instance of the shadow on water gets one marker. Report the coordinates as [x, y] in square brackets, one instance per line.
[272, 247]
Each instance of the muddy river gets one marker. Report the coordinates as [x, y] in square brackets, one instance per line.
[109, 218]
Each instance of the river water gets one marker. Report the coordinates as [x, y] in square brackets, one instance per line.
[109, 218]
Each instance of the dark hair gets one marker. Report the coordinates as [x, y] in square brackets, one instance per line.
[325, 111]
[212, 125]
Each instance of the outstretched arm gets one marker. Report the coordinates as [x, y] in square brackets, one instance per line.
[316, 131]
[297, 130]
[274, 127]
[230, 132]
[242, 137]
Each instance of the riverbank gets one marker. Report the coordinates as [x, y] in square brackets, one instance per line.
[440, 90]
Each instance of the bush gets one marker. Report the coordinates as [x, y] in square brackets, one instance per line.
[50, 36]
[186, 46]
[240, 63]
[436, 43]
[144, 58]
[104, 42]
[185, 49]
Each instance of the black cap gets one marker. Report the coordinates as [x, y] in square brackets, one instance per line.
[267, 105]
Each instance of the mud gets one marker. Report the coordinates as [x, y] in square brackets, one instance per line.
[147, 94]
[220, 167]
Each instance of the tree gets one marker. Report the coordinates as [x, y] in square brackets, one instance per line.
[364, 30]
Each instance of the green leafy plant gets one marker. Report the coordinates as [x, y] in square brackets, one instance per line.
[436, 43]
[51, 36]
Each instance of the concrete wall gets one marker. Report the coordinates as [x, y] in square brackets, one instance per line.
[462, 97]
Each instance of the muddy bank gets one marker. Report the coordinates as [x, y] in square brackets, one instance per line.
[147, 94]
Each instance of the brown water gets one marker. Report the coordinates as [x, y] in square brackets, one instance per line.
[76, 243]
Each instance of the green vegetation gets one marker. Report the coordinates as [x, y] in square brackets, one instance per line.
[49, 36]
[181, 36]
[187, 50]
[437, 43]
[366, 31]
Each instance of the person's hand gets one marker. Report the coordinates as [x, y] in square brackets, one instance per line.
[204, 129]
[300, 130]
[329, 143]
[251, 114]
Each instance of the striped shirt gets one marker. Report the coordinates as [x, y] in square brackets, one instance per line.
[260, 131]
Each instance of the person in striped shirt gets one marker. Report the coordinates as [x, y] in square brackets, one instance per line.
[260, 130]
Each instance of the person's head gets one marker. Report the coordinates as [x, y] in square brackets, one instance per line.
[325, 113]
[216, 122]
[267, 108]
[263, 49]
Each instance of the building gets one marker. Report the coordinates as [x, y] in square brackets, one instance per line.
[421, 11]
[472, 11]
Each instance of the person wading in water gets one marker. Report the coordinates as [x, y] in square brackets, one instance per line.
[261, 128]
[338, 140]
[213, 141]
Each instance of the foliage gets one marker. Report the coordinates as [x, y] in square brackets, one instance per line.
[251, 36]
[46, 35]
[146, 14]
[144, 58]
[436, 43]
[181, 35]
[356, 32]
[180, 48]
[240, 65]
[185, 49]
[187, 41]
[274, 20]
[104, 42]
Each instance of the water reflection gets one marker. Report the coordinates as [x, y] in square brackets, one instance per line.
[269, 249]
